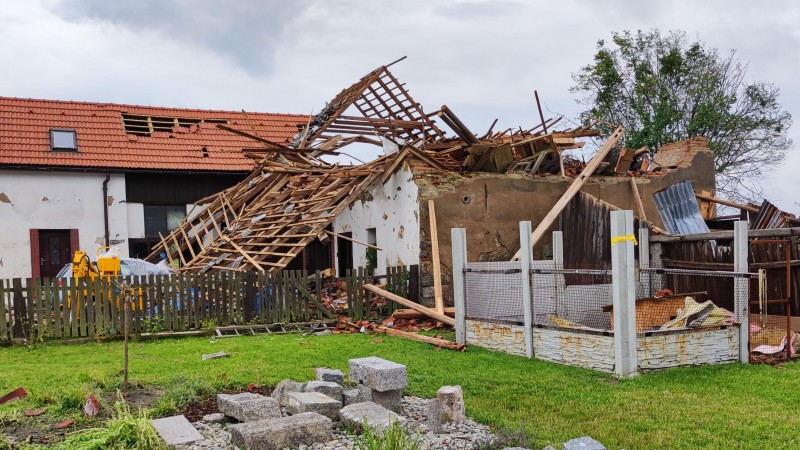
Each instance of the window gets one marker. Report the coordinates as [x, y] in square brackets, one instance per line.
[63, 140]
[162, 218]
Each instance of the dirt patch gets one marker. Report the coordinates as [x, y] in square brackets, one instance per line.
[34, 430]
[196, 410]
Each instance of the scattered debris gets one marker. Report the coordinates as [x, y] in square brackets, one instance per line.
[91, 407]
[415, 306]
[35, 412]
[216, 355]
[64, 424]
[16, 394]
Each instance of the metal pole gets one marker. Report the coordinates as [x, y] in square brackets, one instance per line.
[458, 238]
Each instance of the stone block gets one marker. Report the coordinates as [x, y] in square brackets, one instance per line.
[389, 399]
[434, 416]
[378, 374]
[357, 395]
[248, 407]
[274, 434]
[329, 388]
[376, 416]
[176, 430]
[214, 418]
[583, 443]
[451, 404]
[283, 388]
[333, 375]
[302, 402]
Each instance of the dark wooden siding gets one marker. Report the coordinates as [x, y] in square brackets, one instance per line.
[175, 189]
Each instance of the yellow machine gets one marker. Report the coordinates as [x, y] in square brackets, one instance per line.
[108, 264]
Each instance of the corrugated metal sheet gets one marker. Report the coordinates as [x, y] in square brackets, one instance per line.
[769, 216]
[678, 209]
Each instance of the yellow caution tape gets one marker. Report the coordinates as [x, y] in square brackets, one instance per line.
[618, 239]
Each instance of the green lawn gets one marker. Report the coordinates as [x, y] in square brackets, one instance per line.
[731, 406]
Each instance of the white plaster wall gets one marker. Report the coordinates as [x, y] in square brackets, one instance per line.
[56, 200]
[393, 210]
[135, 220]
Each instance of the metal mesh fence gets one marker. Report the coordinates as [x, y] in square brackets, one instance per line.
[571, 298]
[493, 291]
[671, 299]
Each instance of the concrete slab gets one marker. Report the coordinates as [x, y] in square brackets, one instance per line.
[378, 374]
[274, 434]
[301, 402]
[329, 388]
[176, 430]
[332, 375]
[248, 407]
[375, 415]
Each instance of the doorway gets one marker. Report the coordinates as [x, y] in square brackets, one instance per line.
[344, 253]
[55, 250]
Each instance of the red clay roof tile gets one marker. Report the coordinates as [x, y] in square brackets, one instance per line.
[103, 143]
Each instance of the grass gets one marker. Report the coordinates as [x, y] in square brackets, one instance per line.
[729, 406]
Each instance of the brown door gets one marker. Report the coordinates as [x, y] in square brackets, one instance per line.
[54, 251]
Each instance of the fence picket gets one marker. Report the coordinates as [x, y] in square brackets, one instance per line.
[3, 324]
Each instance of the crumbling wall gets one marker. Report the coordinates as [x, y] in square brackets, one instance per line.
[56, 201]
[392, 210]
[490, 206]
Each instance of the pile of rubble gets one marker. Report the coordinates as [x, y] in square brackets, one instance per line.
[317, 414]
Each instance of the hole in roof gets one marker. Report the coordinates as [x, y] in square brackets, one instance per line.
[147, 125]
[205, 152]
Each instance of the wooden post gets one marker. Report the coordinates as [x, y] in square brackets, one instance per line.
[525, 279]
[126, 298]
[437, 268]
[20, 309]
[624, 294]
[458, 239]
[741, 291]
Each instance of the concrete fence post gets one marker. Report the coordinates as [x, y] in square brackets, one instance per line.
[526, 256]
[623, 289]
[644, 258]
[741, 290]
[458, 238]
[558, 262]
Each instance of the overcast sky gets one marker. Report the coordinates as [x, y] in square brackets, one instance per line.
[481, 58]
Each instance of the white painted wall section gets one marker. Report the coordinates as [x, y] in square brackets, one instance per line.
[58, 201]
[393, 210]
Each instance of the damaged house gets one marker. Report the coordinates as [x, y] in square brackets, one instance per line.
[78, 175]
[298, 211]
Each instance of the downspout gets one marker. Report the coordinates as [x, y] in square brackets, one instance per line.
[105, 207]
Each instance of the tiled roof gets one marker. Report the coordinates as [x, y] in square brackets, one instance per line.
[103, 143]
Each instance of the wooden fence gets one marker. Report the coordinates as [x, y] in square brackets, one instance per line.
[67, 308]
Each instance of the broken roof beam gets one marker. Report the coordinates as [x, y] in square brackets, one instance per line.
[457, 125]
[742, 207]
[573, 189]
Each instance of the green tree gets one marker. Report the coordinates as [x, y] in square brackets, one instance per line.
[664, 88]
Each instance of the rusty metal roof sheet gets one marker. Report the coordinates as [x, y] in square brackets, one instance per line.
[678, 209]
[769, 216]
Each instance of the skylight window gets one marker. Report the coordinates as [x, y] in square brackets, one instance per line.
[63, 140]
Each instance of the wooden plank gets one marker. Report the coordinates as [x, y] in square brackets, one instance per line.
[638, 199]
[3, 320]
[405, 302]
[75, 312]
[59, 300]
[573, 189]
[97, 308]
[438, 297]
